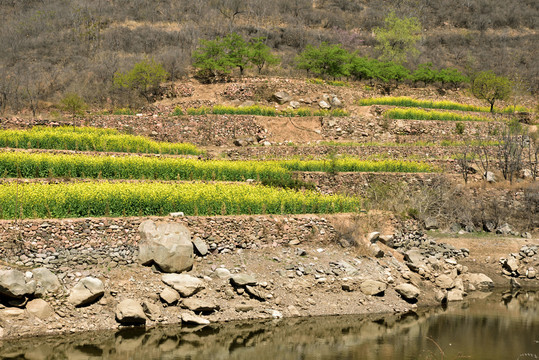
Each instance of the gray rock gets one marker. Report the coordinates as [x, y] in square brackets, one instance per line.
[189, 318]
[46, 281]
[242, 280]
[479, 281]
[281, 97]
[445, 282]
[408, 291]
[531, 273]
[176, 214]
[152, 310]
[376, 251]
[294, 104]
[335, 101]
[373, 237]
[431, 223]
[130, 312]
[200, 246]
[39, 308]
[169, 296]
[386, 240]
[14, 284]
[324, 105]
[511, 264]
[489, 226]
[185, 284]
[86, 291]
[489, 176]
[372, 287]
[455, 295]
[222, 273]
[441, 295]
[255, 292]
[199, 305]
[505, 229]
[166, 244]
[414, 257]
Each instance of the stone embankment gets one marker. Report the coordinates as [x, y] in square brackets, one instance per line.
[226, 268]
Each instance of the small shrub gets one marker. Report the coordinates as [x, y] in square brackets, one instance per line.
[123, 111]
[459, 128]
[177, 111]
[73, 104]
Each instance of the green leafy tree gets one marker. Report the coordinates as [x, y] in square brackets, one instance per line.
[398, 37]
[73, 103]
[424, 73]
[362, 68]
[490, 87]
[260, 55]
[391, 74]
[450, 76]
[144, 78]
[211, 60]
[237, 51]
[326, 59]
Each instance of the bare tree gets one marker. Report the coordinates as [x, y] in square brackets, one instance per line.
[230, 9]
[510, 149]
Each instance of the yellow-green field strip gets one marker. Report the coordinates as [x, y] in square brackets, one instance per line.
[36, 200]
[90, 139]
[404, 101]
[418, 114]
[263, 111]
[46, 165]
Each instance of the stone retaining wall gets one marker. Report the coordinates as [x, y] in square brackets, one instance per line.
[85, 243]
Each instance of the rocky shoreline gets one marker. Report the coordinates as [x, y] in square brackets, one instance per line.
[293, 266]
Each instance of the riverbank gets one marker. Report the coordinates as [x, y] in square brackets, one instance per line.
[295, 266]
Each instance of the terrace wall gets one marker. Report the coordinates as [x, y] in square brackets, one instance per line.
[86, 243]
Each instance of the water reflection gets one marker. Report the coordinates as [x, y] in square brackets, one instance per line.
[501, 326]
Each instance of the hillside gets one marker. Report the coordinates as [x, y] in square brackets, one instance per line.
[57, 47]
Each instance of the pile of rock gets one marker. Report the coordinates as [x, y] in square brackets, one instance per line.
[416, 240]
[23, 290]
[523, 264]
[110, 255]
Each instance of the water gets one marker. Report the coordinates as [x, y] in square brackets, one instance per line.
[495, 327]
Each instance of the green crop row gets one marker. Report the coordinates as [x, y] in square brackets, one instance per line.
[89, 139]
[420, 143]
[356, 165]
[430, 104]
[43, 165]
[418, 114]
[263, 111]
[36, 200]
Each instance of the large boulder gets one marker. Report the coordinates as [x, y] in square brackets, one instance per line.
[445, 282]
[186, 285]
[189, 318]
[479, 281]
[39, 308]
[408, 291]
[86, 291]
[281, 97]
[431, 223]
[130, 312]
[46, 281]
[199, 305]
[372, 287]
[168, 245]
[14, 284]
[242, 280]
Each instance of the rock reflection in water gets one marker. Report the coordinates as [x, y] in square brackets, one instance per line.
[498, 327]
